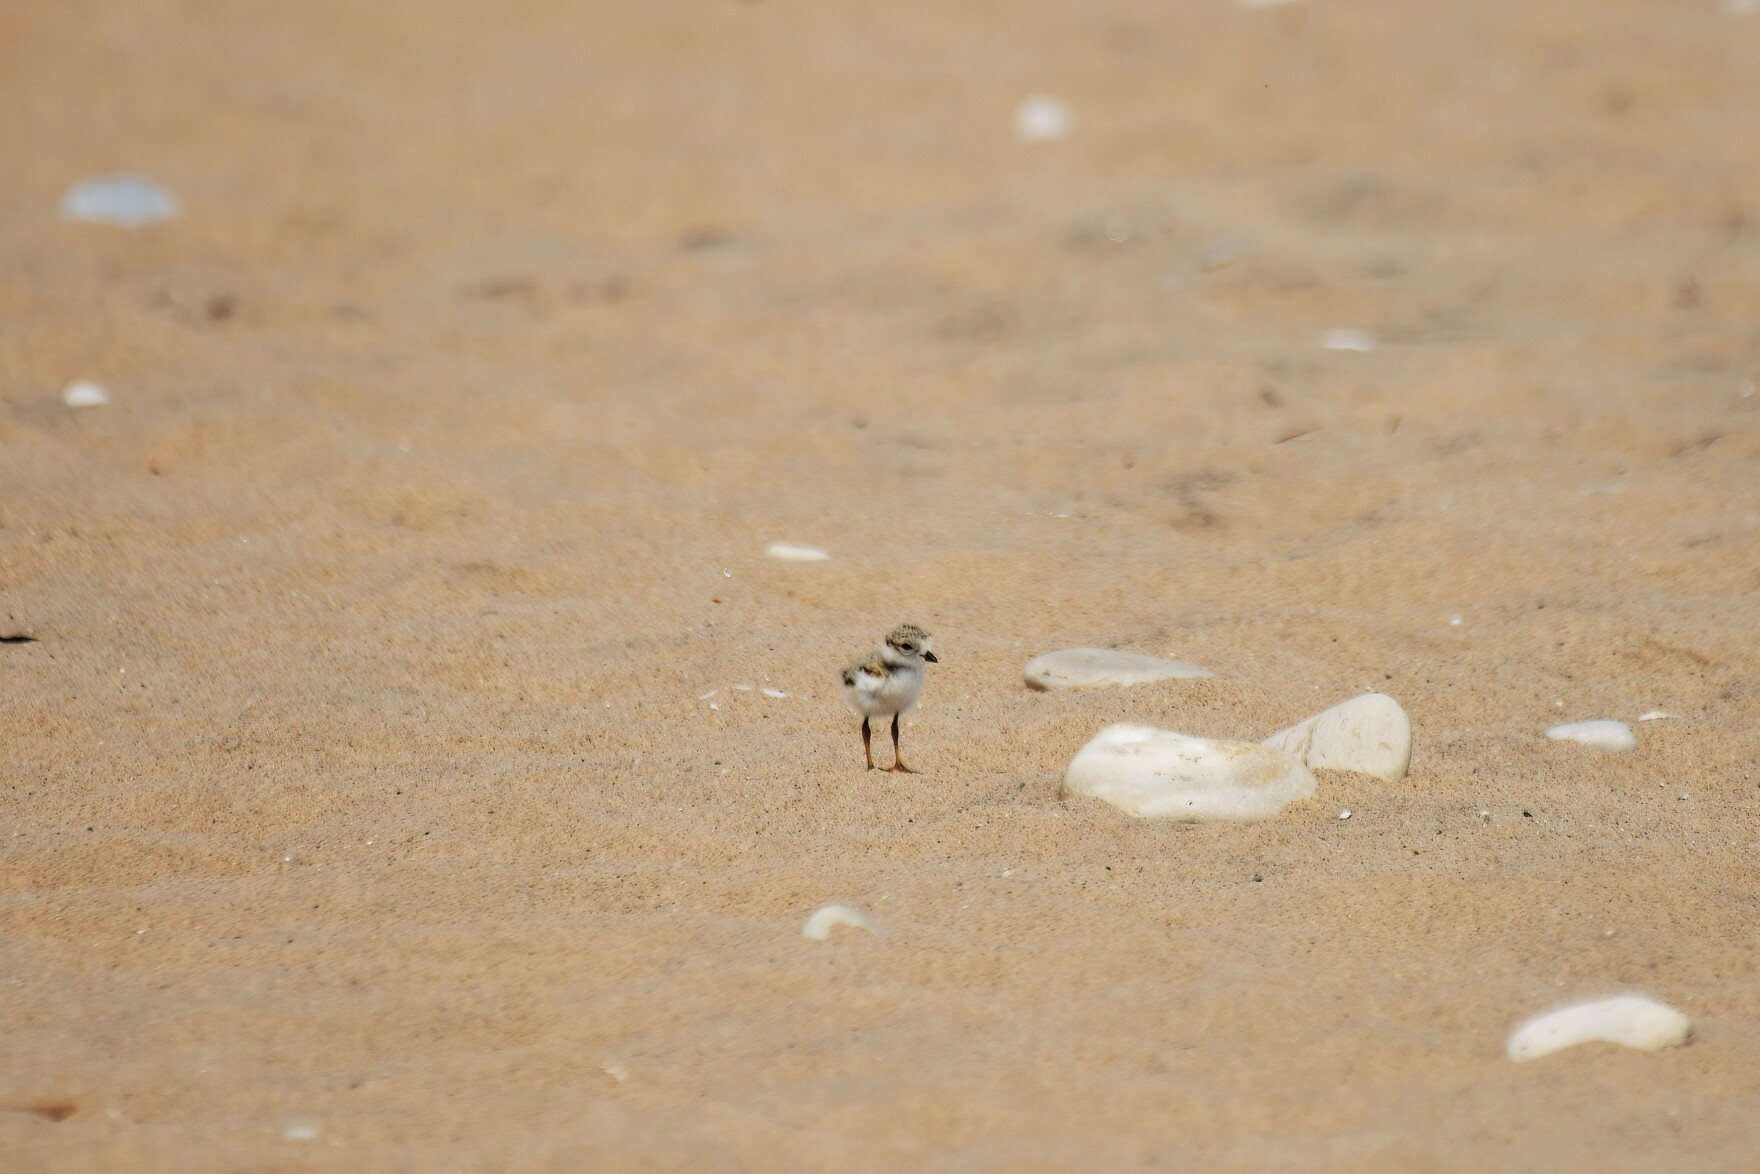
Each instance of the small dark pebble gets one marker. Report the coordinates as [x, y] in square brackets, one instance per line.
[1257, 878]
[1527, 815]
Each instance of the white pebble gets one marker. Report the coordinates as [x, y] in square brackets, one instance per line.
[828, 917]
[1631, 1021]
[743, 688]
[790, 553]
[299, 1129]
[1347, 340]
[768, 692]
[1369, 734]
[83, 393]
[1344, 814]
[1087, 668]
[1041, 118]
[1655, 715]
[700, 696]
[126, 201]
[616, 1072]
[1161, 774]
[1603, 735]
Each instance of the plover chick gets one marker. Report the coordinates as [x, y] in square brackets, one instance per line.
[888, 682]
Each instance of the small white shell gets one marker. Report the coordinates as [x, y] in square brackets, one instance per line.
[1088, 668]
[1347, 340]
[1631, 1021]
[127, 201]
[83, 393]
[828, 917]
[1603, 735]
[790, 553]
[1041, 118]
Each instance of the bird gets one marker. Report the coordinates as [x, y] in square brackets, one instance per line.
[889, 682]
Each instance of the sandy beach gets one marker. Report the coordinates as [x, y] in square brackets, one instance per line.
[394, 776]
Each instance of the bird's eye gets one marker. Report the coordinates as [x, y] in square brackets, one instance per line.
[907, 648]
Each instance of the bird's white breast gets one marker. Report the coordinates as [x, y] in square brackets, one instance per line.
[875, 696]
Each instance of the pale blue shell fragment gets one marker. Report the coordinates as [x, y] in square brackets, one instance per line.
[127, 201]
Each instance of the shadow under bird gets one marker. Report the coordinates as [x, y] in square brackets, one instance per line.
[888, 683]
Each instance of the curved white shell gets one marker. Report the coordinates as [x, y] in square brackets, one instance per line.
[1086, 668]
[1369, 734]
[1161, 774]
[1628, 1020]
[828, 917]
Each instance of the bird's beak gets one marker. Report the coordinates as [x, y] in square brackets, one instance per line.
[931, 658]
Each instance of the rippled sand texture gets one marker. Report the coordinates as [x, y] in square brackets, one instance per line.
[360, 807]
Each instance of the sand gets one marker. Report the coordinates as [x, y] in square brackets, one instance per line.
[359, 808]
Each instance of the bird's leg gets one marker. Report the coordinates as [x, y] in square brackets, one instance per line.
[897, 758]
[867, 743]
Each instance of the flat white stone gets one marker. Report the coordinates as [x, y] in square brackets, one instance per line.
[83, 393]
[1603, 735]
[790, 553]
[1087, 668]
[1631, 1021]
[1161, 774]
[828, 917]
[1040, 118]
[1369, 734]
[127, 201]
[1655, 715]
